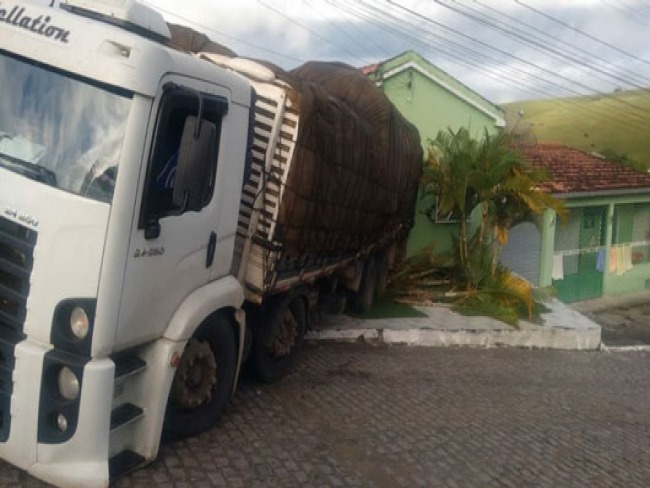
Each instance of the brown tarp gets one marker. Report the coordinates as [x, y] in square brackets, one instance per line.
[356, 164]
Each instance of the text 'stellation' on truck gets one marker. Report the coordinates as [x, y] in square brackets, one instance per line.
[165, 215]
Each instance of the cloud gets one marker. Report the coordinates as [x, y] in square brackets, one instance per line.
[289, 32]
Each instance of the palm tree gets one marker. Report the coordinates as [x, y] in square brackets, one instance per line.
[507, 190]
[460, 171]
[450, 160]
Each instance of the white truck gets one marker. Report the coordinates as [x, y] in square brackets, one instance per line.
[143, 217]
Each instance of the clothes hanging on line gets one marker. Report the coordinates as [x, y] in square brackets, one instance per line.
[558, 267]
[600, 260]
[613, 260]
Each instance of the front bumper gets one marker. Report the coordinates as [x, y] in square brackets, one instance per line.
[83, 459]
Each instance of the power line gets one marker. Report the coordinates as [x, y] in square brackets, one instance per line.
[582, 33]
[590, 55]
[633, 14]
[363, 10]
[540, 46]
[589, 89]
[363, 43]
[457, 53]
[453, 50]
[222, 34]
[600, 66]
[299, 24]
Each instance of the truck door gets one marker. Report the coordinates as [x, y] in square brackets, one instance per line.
[171, 252]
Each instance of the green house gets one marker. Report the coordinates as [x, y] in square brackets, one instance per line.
[603, 248]
[433, 101]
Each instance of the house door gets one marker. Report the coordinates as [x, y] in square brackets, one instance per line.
[592, 238]
[582, 243]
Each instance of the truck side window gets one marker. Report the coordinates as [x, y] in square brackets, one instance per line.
[177, 104]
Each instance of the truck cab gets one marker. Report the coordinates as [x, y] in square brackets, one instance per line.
[121, 170]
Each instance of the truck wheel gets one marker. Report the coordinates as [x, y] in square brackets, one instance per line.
[278, 340]
[203, 381]
[362, 300]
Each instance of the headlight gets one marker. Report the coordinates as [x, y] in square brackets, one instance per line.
[62, 422]
[79, 322]
[72, 325]
[68, 384]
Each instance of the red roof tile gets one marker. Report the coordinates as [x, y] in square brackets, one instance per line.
[573, 171]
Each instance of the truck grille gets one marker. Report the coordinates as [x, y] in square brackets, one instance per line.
[16, 261]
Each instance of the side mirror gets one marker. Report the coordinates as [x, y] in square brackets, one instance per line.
[193, 181]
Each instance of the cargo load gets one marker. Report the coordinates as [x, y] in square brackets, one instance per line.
[334, 172]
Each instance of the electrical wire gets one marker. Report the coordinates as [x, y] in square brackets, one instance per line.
[473, 56]
[452, 50]
[383, 13]
[206, 29]
[301, 25]
[541, 45]
[587, 88]
[556, 52]
[350, 35]
[582, 33]
[379, 16]
[635, 15]
[555, 39]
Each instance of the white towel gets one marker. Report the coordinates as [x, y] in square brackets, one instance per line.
[620, 265]
[627, 257]
[558, 267]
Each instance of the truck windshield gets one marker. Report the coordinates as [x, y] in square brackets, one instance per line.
[59, 130]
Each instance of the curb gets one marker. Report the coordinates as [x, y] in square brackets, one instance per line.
[639, 348]
[532, 338]
[563, 329]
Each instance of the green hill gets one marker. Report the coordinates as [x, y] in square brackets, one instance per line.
[615, 125]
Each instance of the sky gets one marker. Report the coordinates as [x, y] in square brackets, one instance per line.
[506, 50]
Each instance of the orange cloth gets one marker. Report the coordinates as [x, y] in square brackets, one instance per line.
[613, 259]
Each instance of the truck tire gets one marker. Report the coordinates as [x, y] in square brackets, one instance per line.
[203, 381]
[362, 299]
[278, 338]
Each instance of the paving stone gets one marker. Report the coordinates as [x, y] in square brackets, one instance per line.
[377, 416]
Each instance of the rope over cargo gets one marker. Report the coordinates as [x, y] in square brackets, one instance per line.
[357, 164]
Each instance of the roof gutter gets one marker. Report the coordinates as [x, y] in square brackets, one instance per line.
[603, 193]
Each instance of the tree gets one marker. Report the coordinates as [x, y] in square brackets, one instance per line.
[507, 191]
[461, 173]
[445, 177]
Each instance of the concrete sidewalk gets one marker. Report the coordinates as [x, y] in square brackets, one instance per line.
[607, 303]
[563, 328]
[625, 320]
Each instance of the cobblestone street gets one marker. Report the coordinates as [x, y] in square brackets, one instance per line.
[361, 415]
[624, 322]
[625, 326]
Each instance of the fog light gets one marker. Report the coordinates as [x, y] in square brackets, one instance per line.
[68, 384]
[79, 322]
[62, 422]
